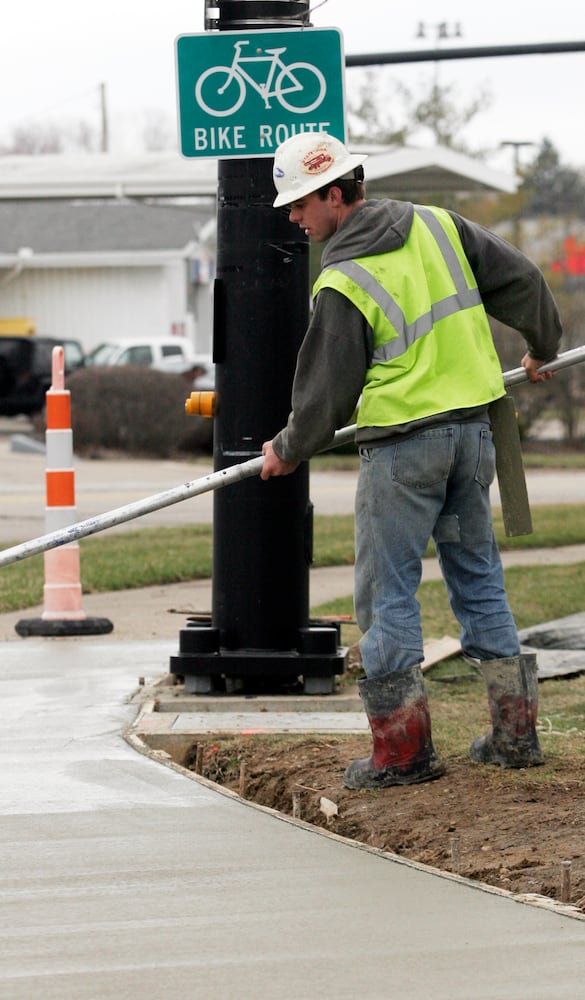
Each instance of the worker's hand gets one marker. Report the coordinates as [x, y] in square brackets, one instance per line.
[273, 465]
[531, 366]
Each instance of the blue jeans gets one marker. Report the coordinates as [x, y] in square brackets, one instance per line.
[435, 484]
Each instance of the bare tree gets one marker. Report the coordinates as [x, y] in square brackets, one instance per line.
[35, 138]
[375, 109]
[531, 401]
[551, 188]
[563, 396]
[568, 387]
[445, 117]
[158, 132]
[384, 110]
[84, 136]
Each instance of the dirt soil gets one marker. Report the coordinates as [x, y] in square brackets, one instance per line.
[509, 829]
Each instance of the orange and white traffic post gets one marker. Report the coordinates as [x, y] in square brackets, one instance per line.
[62, 590]
[63, 612]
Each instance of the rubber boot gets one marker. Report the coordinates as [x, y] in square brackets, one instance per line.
[512, 689]
[398, 713]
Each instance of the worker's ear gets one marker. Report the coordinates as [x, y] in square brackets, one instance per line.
[335, 196]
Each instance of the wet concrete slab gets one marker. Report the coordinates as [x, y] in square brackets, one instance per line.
[123, 876]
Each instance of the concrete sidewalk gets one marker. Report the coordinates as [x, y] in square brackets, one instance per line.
[122, 877]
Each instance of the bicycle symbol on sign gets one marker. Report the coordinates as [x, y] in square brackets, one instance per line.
[221, 90]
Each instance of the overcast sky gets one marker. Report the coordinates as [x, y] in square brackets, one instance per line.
[55, 53]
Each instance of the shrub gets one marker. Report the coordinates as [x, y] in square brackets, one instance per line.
[135, 410]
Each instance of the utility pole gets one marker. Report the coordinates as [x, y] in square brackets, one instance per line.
[442, 32]
[517, 146]
[105, 141]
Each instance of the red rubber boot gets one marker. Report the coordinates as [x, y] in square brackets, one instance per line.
[512, 689]
[398, 713]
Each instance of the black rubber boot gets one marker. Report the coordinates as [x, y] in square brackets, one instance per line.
[398, 713]
[512, 689]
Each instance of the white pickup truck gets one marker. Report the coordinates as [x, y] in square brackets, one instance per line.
[166, 353]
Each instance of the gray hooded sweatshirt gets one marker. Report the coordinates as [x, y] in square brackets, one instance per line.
[336, 351]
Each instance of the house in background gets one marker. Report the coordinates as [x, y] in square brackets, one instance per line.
[96, 246]
[101, 270]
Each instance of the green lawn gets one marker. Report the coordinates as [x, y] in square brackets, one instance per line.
[147, 557]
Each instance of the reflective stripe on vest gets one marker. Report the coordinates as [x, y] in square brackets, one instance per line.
[463, 298]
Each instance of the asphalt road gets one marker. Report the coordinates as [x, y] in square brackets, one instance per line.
[103, 485]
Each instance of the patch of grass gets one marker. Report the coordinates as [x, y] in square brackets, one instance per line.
[21, 584]
[145, 558]
[543, 593]
[118, 561]
[556, 456]
[460, 713]
[537, 594]
[127, 559]
[560, 524]
[535, 455]
[554, 526]
[334, 540]
[340, 460]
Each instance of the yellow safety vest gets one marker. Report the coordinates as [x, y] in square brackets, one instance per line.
[433, 348]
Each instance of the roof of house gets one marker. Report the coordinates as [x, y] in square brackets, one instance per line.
[401, 171]
[93, 204]
[55, 226]
[106, 175]
[404, 172]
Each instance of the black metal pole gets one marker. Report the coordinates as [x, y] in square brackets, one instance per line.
[260, 633]
[262, 531]
[463, 52]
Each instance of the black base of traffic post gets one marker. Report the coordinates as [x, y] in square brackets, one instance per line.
[62, 627]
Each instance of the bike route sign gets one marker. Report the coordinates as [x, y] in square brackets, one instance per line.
[244, 93]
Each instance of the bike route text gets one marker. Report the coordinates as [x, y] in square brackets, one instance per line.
[223, 138]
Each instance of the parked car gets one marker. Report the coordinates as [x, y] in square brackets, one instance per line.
[26, 371]
[203, 373]
[160, 352]
[199, 368]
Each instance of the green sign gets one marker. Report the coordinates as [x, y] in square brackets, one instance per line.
[244, 93]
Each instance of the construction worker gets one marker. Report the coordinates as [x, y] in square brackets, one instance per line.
[400, 327]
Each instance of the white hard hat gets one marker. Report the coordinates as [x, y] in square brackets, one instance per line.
[306, 162]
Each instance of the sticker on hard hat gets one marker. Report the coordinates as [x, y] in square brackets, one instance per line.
[317, 161]
[278, 172]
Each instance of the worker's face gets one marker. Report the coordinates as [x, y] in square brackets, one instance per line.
[318, 217]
